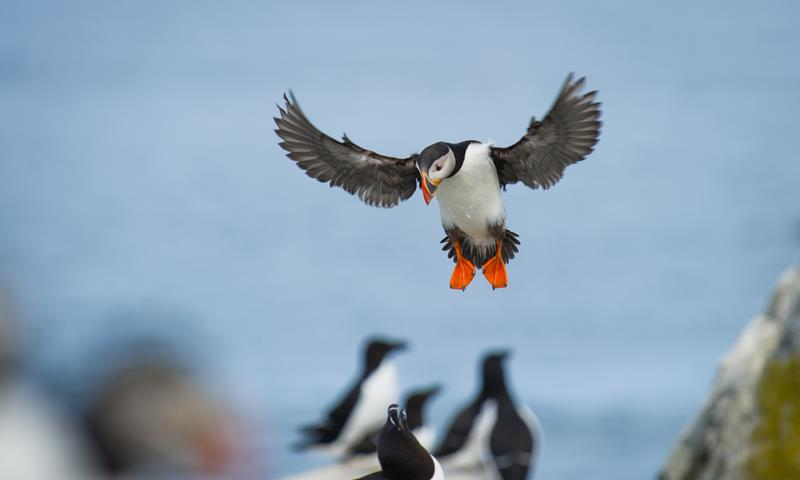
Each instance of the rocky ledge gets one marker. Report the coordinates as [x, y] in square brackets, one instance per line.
[749, 428]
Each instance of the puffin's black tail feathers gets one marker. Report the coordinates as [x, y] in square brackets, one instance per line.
[478, 256]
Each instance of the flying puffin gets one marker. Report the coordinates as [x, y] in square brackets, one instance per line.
[492, 432]
[466, 177]
[415, 404]
[361, 411]
[400, 454]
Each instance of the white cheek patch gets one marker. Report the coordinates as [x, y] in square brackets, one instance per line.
[442, 167]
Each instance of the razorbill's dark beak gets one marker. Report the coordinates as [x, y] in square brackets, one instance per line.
[399, 346]
[428, 187]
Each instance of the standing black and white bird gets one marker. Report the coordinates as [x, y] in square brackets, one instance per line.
[361, 411]
[400, 454]
[492, 432]
[466, 177]
[415, 404]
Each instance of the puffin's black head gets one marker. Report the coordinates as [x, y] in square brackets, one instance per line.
[435, 163]
[415, 403]
[399, 453]
[494, 380]
[377, 350]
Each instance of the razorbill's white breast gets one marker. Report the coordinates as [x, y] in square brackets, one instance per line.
[361, 411]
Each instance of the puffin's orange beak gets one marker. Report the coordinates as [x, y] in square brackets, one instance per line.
[216, 452]
[428, 187]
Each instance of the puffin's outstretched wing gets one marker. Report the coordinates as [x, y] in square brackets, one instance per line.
[378, 180]
[567, 135]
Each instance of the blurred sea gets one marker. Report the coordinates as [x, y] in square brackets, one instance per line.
[142, 192]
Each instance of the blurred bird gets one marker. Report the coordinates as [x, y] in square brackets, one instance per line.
[361, 410]
[38, 440]
[465, 176]
[400, 454]
[150, 419]
[492, 432]
[414, 407]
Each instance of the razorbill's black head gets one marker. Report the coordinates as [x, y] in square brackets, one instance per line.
[493, 375]
[400, 454]
[378, 349]
[415, 405]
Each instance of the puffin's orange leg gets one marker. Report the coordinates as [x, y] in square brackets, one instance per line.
[495, 270]
[464, 271]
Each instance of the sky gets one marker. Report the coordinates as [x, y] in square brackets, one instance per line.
[142, 192]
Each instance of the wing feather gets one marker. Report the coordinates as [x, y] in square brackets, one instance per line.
[376, 179]
[567, 134]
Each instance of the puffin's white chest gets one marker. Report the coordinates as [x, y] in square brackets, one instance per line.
[470, 199]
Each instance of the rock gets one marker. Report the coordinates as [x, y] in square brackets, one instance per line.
[749, 428]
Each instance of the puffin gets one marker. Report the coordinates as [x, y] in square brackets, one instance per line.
[400, 454]
[361, 411]
[415, 404]
[466, 177]
[492, 432]
[150, 416]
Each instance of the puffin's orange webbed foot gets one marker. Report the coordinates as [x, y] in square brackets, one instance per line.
[464, 271]
[462, 274]
[495, 270]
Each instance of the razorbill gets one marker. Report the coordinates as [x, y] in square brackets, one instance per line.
[400, 454]
[492, 432]
[361, 410]
[465, 176]
[414, 406]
